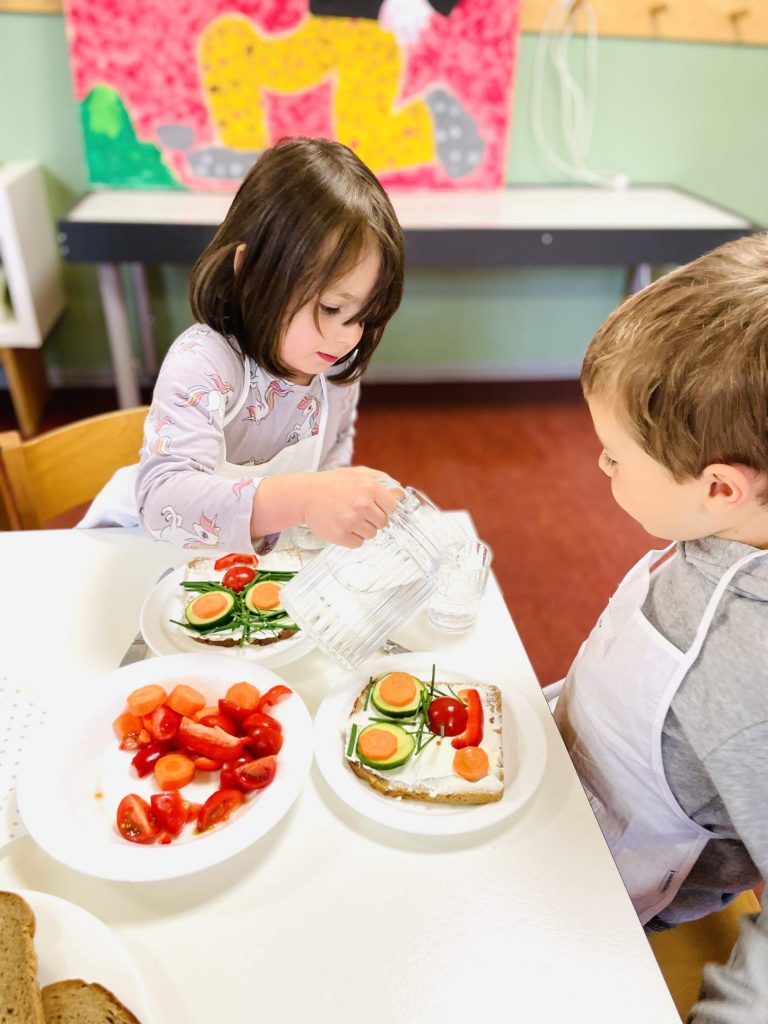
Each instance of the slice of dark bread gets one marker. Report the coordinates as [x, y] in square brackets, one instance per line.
[75, 1002]
[20, 1001]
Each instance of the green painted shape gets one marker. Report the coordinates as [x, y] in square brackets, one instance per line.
[115, 156]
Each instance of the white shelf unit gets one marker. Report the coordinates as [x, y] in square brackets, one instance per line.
[30, 256]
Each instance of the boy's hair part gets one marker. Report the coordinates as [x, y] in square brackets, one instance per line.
[307, 211]
[685, 362]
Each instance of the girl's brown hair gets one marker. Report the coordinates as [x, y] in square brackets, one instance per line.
[306, 211]
[685, 361]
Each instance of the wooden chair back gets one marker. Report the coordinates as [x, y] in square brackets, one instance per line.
[68, 466]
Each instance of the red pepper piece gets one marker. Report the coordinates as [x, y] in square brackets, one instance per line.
[273, 696]
[209, 741]
[473, 734]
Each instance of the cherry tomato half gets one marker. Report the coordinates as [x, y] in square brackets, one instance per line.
[135, 820]
[447, 715]
[238, 576]
[144, 762]
[262, 742]
[218, 807]
[256, 774]
[227, 561]
[169, 810]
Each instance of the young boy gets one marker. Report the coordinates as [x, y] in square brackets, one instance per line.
[665, 709]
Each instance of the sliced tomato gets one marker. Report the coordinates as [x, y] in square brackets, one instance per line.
[227, 561]
[169, 811]
[236, 712]
[256, 774]
[191, 811]
[273, 696]
[165, 838]
[135, 820]
[163, 723]
[223, 721]
[228, 777]
[144, 762]
[209, 742]
[262, 742]
[258, 718]
[238, 576]
[218, 807]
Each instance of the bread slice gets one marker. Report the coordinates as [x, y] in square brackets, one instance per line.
[428, 776]
[20, 1001]
[76, 1002]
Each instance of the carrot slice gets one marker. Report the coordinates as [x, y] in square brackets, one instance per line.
[244, 695]
[471, 763]
[127, 725]
[398, 689]
[185, 700]
[144, 700]
[204, 712]
[172, 771]
[377, 744]
[264, 595]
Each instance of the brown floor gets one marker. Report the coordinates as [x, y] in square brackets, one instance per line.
[522, 458]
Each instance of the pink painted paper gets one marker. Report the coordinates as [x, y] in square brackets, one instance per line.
[147, 52]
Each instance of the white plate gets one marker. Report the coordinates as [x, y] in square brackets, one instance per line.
[523, 738]
[74, 776]
[166, 601]
[71, 943]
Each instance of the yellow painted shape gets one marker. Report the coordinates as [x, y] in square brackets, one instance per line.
[238, 62]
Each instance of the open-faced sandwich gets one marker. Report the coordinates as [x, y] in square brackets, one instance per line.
[421, 740]
[232, 601]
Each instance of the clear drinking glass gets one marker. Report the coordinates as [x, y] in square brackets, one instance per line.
[350, 599]
[461, 581]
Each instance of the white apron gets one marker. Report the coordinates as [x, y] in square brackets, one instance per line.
[611, 714]
[115, 504]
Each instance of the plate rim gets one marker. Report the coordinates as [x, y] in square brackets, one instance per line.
[142, 868]
[459, 820]
[161, 642]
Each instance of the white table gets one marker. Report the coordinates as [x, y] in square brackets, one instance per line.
[544, 225]
[526, 921]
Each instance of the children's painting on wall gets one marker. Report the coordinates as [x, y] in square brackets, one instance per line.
[187, 93]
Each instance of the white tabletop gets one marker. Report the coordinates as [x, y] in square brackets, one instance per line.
[527, 918]
[532, 207]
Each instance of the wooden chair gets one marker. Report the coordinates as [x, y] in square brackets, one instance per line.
[682, 952]
[65, 467]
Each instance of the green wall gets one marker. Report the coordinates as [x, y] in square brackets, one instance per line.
[675, 113]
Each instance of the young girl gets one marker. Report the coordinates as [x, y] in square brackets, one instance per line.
[291, 298]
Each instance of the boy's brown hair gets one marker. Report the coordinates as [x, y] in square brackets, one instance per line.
[685, 361]
[306, 211]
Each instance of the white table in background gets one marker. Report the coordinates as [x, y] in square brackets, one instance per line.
[525, 921]
[520, 225]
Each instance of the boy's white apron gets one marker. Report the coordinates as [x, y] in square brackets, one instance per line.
[611, 713]
[115, 504]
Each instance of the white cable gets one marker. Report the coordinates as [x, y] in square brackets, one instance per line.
[577, 106]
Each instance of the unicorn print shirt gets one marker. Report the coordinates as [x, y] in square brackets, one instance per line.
[179, 496]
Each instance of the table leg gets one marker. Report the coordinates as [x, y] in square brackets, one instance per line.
[639, 277]
[144, 315]
[119, 335]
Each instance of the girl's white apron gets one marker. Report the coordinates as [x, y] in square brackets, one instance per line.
[115, 504]
[611, 713]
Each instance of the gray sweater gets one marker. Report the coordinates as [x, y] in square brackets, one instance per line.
[715, 752]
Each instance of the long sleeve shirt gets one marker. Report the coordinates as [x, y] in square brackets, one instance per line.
[202, 379]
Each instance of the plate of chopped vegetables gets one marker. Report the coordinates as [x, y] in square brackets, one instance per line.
[227, 605]
[166, 767]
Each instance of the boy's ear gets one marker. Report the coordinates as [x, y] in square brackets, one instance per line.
[239, 256]
[728, 487]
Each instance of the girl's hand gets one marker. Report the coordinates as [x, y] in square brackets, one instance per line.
[344, 506]
[348, 506]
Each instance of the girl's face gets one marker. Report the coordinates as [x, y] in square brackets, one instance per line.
[308, 351]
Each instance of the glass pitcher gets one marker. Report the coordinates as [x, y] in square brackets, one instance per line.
[349, 600]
